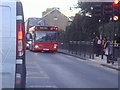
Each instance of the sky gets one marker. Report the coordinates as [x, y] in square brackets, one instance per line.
[34, 8]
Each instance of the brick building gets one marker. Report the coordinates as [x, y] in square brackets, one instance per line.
[53, 17]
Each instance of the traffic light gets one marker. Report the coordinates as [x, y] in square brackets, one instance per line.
[106, 11]
[116, 2]
[98, 11]
[116, 10]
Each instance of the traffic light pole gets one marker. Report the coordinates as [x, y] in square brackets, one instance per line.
[113, 50]
[102, 40]
[102, 52]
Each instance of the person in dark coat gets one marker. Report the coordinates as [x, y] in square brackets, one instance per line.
[108, 49]
[97, 46]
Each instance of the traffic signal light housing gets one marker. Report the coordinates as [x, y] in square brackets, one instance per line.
[116, 2]
[116, 10]
[107, 11]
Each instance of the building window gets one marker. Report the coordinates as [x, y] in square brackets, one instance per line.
[55, 18]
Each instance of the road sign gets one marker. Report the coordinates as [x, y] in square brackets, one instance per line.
[115, 18]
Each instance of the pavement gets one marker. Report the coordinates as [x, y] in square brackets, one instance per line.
[98, 60]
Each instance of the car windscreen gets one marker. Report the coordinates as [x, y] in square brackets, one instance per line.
[47, 36]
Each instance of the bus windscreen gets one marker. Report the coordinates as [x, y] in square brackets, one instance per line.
[45, 36]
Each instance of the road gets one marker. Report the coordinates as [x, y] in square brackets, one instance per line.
[55, 70]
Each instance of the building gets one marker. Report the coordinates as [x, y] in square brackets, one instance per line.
[53, 17]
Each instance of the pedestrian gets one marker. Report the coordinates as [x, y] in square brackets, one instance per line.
[97, 46]
[116, 41]
[108, 49]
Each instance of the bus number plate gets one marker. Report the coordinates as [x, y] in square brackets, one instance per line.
[46, 49]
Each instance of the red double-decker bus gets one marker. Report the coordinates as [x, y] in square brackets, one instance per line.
[43, 38]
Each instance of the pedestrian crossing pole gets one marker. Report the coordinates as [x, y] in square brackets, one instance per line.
[103, 42]
[103, 19]
[115, 19]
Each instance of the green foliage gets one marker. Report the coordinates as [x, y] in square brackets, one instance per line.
[81, 29]
[86, 7]
[60, 36]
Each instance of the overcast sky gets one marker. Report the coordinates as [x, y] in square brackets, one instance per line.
[34, 8]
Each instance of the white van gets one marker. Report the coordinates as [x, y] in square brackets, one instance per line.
[12, 45]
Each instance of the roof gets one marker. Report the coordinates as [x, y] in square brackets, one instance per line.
[50, 12]
[53, 11]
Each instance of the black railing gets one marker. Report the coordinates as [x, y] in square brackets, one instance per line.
[113, 52]
[82, 48]
[86, 49]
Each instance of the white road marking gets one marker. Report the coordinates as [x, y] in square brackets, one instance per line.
[32, 73]
[37, 86]
[38, 77]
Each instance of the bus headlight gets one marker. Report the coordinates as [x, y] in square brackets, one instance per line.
[27, 45]
[36, 46]
[55, 45]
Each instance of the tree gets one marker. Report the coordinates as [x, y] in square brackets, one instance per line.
[82, 28]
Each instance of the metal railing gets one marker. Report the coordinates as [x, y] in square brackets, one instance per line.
[86, 49]
[81, 48]
[113, 52]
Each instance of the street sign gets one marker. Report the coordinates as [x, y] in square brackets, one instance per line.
[115, 18]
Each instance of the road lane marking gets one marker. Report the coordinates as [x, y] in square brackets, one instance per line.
[31, 67]
[32, 73]
[40, 69]
[38, 77]
[37, 86]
